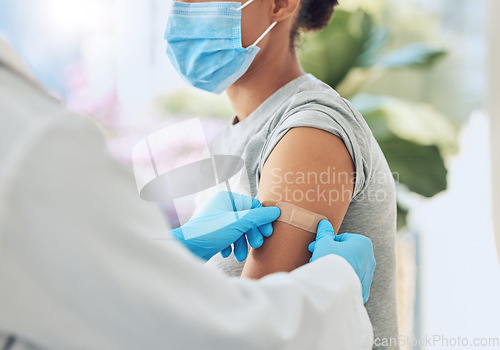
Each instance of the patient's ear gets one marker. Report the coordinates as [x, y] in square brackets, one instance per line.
[283, 9]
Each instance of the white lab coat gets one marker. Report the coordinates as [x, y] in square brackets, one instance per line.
[80, 268]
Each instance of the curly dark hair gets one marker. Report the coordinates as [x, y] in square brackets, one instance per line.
[313, 15]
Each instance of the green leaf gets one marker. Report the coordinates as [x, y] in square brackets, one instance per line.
[419, 167]
[331, 54]
[401, 218]
[415, 55]
[378, 39]
[413, 137]
[409, 120]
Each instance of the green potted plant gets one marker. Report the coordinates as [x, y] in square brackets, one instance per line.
[415, 138]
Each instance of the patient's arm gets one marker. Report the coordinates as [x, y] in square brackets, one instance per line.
[312, 169]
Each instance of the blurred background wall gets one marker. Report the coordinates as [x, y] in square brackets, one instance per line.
[494, 108]
[418, 71]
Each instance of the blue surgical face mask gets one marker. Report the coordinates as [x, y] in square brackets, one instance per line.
[204, 43]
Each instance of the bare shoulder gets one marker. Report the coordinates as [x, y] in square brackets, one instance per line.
[312, 169]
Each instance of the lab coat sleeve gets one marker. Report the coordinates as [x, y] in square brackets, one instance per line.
[81, 266]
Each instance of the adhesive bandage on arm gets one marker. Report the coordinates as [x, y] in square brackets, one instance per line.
[297, 216]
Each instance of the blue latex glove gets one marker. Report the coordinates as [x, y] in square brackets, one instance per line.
[356, 249]
[227, 219]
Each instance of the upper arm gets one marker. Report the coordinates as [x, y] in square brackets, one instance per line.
[85, 255]
[312, 169]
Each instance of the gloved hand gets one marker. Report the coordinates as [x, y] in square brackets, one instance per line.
[228, 218]
[356, 249]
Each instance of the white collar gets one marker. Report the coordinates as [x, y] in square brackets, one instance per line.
[10, 59]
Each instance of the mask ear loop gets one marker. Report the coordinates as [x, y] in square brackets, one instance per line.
[242, 6]
[263, 35]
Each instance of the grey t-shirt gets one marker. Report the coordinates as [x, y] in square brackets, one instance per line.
[308, 102]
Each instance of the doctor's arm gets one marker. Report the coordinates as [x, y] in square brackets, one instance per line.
[312, 169]
[85, 263]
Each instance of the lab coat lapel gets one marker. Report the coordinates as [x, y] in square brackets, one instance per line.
[10, 60]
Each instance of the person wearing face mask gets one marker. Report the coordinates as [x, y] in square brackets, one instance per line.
[80, 267]
[301, 141]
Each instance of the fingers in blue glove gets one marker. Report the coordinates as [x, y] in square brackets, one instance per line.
[266, 230]
[325, 229]
[343, 237]
[243, 202]
[255, 238]
[241, 248]
[258, 217]
[311, 246]
[226, 251]
[256, 203]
